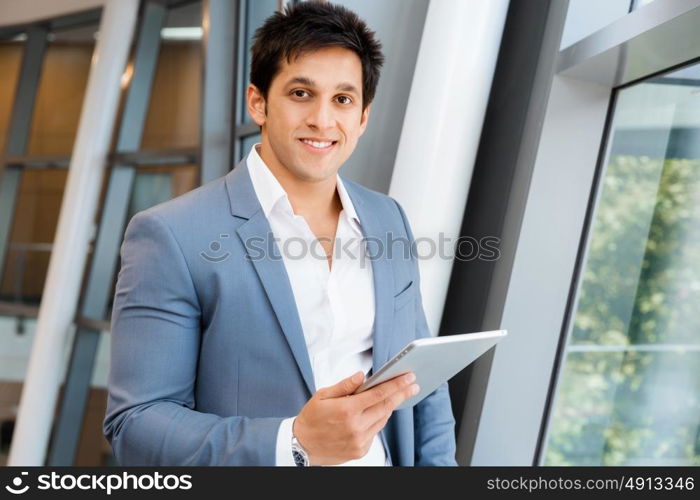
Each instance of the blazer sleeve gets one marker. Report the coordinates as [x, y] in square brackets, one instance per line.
[151, 417]
[434, 424]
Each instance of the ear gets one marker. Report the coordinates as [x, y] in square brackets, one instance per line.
[256, 104]
[364, 118]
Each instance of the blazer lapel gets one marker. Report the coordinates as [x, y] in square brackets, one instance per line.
[271, 271]
[383, 277]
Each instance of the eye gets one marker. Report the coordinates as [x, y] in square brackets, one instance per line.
[299, 93]
[343, 99]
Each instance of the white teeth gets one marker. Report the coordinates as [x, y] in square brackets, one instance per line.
[317, 144]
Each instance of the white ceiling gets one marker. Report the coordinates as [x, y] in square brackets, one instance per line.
[24, 11]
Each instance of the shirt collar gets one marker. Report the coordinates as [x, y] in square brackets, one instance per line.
[271, 193]
[267, 188]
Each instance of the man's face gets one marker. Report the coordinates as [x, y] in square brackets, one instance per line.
[314, 114]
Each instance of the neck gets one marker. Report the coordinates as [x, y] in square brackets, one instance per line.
[306, 197]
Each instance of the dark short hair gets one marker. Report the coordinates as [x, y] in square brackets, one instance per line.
[308, 26]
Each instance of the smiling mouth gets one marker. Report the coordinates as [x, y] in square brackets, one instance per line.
[319, 146]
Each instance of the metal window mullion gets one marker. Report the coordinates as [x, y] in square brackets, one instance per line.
[106, 251]
[144, 69]
[19, 130]
[219, 95]
[240, 84]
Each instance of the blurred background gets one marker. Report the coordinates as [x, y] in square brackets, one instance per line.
[567, 130]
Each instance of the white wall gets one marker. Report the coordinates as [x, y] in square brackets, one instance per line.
[441, 132]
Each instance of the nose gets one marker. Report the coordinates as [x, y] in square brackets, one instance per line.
[321, 116]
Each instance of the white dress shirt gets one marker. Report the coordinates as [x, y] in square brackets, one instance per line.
[335, 306]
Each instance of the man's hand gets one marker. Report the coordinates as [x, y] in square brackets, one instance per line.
[336, 425]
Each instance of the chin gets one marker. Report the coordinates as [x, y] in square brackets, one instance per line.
[319, 173]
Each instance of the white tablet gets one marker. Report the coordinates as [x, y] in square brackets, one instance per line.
[434, 360]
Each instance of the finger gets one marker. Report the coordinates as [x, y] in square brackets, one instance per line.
[387, 406]
[377, 426]
[384, 390]
[379, 417]
[343, 388]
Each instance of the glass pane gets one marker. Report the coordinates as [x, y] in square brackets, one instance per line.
[256, 13]
[59, 98]
[629, 392]
[31, 240]
[627, 407]
[173, 118]
[62, 86]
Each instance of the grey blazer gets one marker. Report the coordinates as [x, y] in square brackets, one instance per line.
[208, 354]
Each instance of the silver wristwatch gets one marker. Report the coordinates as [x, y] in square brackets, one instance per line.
[301, 458]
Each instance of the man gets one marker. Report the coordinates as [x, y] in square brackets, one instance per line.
[222, 333]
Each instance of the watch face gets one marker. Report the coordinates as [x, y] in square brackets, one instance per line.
[299, 458]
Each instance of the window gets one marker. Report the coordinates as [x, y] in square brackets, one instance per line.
[629, 389]
[54, 124]
[43, 76]
[254, 12]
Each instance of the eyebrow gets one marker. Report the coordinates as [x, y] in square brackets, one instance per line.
[302, 80]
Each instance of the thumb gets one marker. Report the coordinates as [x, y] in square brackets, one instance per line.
[343, 388]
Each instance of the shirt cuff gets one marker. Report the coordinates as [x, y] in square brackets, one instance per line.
[284, 457]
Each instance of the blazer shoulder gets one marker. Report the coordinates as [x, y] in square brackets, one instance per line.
[192, 208]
